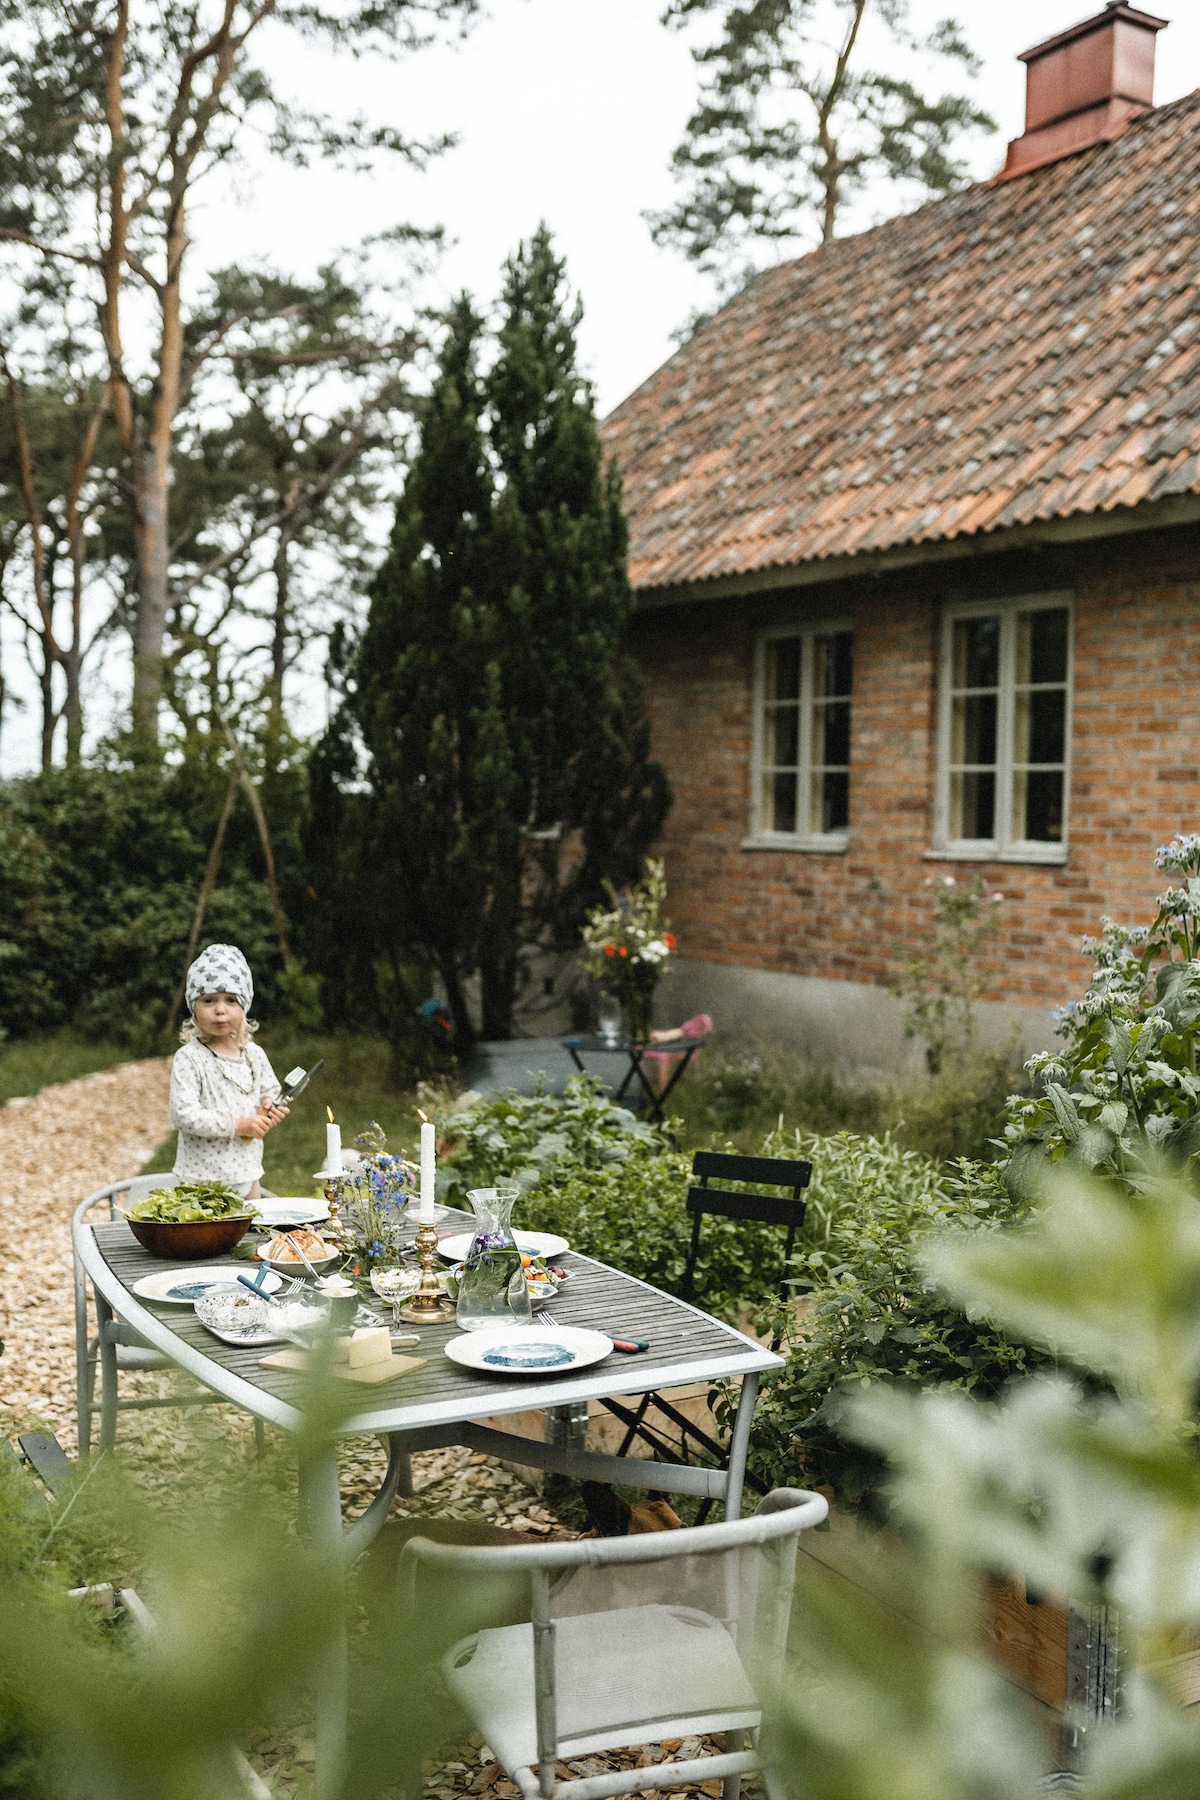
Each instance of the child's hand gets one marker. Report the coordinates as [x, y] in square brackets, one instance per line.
[272, 1111]
[252, 1126]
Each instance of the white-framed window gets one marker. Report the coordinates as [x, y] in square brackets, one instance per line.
[1004, 730]
[801, 775]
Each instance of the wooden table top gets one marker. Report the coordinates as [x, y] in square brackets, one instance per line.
[685, 1346]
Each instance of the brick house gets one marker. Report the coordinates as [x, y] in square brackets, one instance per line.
[915, 538]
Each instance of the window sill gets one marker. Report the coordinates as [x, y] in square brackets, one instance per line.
[1015, 853]
[833, 845]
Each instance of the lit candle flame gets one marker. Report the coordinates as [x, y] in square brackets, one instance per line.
[424, 1117]
[329, 1114]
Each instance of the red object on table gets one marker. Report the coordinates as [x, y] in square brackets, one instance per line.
[696, 1028]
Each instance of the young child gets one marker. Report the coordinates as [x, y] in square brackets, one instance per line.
[223, 1088]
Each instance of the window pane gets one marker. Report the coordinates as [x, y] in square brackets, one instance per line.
[1038, 806]
[833, 664]
[831, 734]
[1040, 726]
[779, 801]
[972, 804]
[977, 652]
[783, 736]
[783, 669]
[973, 729]
[1042, 645]
[830, 805]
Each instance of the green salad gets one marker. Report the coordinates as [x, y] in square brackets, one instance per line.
[189, 1203]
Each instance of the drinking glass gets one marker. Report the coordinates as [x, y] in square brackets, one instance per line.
[395, 1286]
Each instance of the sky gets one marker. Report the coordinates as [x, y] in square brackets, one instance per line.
[565, 111]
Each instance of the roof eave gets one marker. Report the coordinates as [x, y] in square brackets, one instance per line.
[1150, 515]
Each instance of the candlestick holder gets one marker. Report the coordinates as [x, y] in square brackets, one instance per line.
[428, 1306]
[334, 1226]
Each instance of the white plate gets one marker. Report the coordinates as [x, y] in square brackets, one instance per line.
[529, 1350]
[167, 1287]
[533, 1243]
[274, 1214]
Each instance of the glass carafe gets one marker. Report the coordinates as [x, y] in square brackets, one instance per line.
[491, 1285]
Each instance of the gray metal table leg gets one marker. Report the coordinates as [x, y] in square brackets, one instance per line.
[321, 1506]
[107, 1352]
[739, 1444]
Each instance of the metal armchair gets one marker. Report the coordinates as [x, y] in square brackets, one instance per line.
[632, 1641]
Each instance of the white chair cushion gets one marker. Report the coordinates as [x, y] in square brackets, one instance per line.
[628, 1677]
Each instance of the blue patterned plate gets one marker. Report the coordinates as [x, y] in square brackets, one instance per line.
[528, 1350]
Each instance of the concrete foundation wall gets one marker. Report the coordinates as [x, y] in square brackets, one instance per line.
[848, 1023]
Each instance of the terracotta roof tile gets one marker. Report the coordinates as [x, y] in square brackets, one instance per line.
[1007, 354]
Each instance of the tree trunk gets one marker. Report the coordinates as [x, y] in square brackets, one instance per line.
[282, 615]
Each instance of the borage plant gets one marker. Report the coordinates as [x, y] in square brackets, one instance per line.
[1124, 1092]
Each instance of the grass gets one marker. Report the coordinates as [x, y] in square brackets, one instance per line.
[30, 1064]
[737, 1093]
[357, 1082]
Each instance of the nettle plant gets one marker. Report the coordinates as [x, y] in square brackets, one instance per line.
[1123, 1094]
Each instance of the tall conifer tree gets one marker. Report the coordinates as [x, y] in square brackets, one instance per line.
[508, 745]
[441, 838]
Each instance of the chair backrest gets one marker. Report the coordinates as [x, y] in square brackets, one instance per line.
[132, 1188]
[764, 1209]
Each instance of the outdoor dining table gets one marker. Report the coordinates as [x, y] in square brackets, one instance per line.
[441, 1403]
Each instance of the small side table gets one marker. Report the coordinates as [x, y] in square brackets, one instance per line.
[636, 1049]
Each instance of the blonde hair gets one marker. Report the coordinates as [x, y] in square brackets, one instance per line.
[190, 1032]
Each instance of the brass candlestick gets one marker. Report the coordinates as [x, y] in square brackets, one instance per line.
[428, 1306]
[333, 1226]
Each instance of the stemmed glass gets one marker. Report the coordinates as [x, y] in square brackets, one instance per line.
[395, 1286]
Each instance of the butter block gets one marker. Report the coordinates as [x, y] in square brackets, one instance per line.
[369, 1344]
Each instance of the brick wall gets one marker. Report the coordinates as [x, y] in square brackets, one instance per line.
[1135, 768]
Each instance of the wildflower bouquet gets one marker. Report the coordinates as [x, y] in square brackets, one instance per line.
[628, 946]
[372, 1198]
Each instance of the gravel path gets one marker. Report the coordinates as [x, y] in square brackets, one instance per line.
[57, 1147]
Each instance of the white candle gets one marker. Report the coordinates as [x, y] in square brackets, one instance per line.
[333, 1149]
[428, 1159]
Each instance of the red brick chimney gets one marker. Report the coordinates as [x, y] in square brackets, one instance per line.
[1084, 86]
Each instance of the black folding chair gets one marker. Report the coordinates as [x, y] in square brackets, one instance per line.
[765, 1209]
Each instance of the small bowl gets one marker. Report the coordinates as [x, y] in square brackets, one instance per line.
[231, 1308]
[197, 1241]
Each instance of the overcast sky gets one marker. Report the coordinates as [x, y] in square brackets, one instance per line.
[567, 111]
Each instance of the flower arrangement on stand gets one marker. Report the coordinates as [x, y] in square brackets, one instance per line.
[628, 946]
[371, 1199]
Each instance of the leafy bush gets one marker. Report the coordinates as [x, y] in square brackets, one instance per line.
[527, 1138]
[101, 868]
[873, 1315]
[1123, 1094]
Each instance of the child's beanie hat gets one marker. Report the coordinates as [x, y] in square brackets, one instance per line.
[221, 969]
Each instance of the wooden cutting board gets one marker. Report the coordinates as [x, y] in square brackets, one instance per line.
[369, 1376]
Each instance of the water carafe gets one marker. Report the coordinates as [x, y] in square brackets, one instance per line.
[491, 1285]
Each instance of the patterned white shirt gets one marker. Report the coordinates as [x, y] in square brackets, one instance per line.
[208, 1092]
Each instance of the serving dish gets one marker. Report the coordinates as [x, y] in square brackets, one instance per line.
[189, 1241]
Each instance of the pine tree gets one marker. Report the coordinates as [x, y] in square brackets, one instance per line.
[506, 734]
[589, 799]
[441, 844]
